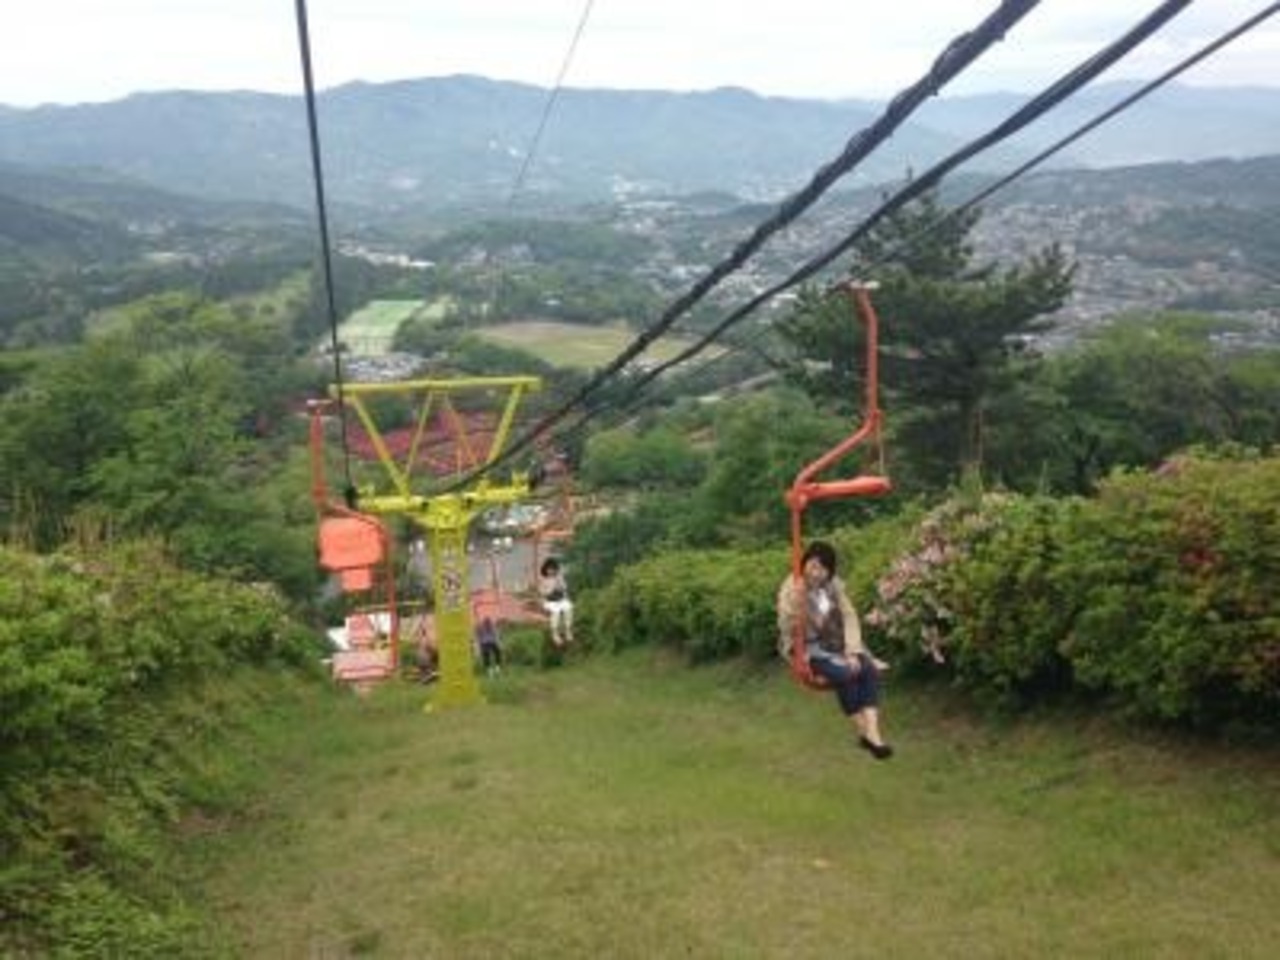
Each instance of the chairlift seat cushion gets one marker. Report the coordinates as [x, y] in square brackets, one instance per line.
[347, 542]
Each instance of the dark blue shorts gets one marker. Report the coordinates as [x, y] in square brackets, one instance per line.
[854, 689]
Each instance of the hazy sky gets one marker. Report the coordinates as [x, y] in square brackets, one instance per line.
[69, 51]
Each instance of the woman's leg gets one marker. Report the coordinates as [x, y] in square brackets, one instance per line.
[868, 721]
[866, 716]
[566, 620]
[841, 678]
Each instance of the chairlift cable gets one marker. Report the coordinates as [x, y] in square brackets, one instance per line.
[313, 127]
[1085, 128]
[1079, 132]
[1142, 92]
[955, 58]
[526, 164]
[1060, 90]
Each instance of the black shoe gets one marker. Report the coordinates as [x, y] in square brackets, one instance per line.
[881, 751]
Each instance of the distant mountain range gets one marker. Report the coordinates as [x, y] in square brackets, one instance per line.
[459, 142]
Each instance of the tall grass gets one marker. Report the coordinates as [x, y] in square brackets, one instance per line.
[631, 807]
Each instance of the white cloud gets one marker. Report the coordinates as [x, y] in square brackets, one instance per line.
[75, 50]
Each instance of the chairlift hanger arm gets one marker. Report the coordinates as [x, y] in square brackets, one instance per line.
[806, 488]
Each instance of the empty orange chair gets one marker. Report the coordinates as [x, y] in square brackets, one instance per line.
[350, 542]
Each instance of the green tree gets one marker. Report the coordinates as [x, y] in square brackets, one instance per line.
[951, 329]
[71, 413]
[1141, 390]
[660, 457]
[182, 442]
[761, 443]
[146, 427]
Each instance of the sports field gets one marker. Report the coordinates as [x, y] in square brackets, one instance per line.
[370, 330]
[573, 345]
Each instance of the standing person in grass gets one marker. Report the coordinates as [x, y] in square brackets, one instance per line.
[489, 645]
[833, 643]
[555, 600]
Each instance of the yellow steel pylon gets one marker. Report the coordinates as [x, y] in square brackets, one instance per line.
[445, 516]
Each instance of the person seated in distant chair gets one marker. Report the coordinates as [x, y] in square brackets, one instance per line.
[555, 600]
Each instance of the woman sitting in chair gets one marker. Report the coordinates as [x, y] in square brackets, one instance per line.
[555, 600]
[833, 643]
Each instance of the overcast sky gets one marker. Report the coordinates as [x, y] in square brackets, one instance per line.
[70, 51]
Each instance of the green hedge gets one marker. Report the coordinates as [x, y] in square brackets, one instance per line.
[713, 604]
[1177, 580]
[109, 667]
[980, 582]
[1161, 595]
[708, 604]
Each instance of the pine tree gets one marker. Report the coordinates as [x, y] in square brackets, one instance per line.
[951, 331]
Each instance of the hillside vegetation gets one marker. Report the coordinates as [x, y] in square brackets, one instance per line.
[122, 750]
[120, 677]
[1154, 598]
[1092, 532]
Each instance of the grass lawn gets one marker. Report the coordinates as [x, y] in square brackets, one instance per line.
[582, 347]
[631, 807]
[370, 330]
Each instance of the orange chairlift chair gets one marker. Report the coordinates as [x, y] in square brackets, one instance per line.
[357, 547]
[557, 527]
[806, 489]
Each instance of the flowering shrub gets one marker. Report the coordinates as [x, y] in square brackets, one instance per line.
[1011, 606]
[1160, 593]
[912, 604]
[1176, 576]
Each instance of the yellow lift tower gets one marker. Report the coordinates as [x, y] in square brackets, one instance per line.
[408, 490]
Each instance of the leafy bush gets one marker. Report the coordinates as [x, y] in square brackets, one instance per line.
[95, 918]
[708, 604]
[1007, 606]
[713, 604]
[103, 658]
[1159, 594]
[657, 458]
[529, 646]
[912, 605]
[624, 535]
[945, 595]
[1175, 574]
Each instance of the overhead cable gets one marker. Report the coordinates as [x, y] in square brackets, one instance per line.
[1033, 109]
[955, 58]
[1141, 93]
[326, 256]
[1059, 145]
[550, 103]
[548, 106]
